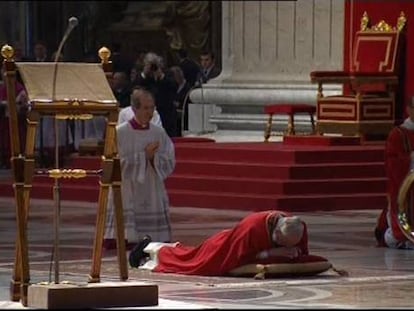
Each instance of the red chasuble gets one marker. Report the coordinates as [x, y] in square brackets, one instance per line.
[397, 166]
[225, 250]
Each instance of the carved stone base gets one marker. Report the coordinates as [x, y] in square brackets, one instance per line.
[92, 295]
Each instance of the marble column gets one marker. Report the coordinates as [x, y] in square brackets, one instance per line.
[268, 50]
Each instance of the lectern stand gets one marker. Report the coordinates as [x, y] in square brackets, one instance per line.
[68, 91]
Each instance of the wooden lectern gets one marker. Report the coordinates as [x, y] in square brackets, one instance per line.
[65, 91]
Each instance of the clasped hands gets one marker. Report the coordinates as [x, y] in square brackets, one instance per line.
[151, 149]
[291, 252]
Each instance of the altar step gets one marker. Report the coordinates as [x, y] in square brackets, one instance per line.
[254, 176]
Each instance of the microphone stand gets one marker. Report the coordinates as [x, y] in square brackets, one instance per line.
[56, 188]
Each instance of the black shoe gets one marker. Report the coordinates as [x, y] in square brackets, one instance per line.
[137, 254]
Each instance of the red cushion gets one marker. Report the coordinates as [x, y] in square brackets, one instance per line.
[289, 108]
[281, 266]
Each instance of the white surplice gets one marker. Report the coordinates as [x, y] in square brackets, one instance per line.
[95, 129]
[127, 114]
[144, 196]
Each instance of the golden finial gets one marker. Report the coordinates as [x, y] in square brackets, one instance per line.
[401, 21]
[364, 21]
[104, 54]
[382, 26]
[7, 52]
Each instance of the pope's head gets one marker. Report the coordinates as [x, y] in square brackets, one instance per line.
[143, 105]
[288, 231]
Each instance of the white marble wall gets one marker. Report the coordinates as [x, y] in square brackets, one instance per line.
[268, 50]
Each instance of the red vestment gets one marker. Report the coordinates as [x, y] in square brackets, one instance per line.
[227, 249]
[397, 165]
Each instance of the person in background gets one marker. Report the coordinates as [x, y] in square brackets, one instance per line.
[189, 67]
[147, 158]
[209, 70]
[259, 236]
[399, 159]
[121, 88]
[40, 52]
[182, 99]
[163, 88]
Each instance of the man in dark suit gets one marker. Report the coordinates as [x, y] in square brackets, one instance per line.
[40, 52]
[121, 88]
[189, 67]
[209, 70]
[182, 99]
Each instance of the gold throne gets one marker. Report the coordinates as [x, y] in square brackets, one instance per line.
[369, 103]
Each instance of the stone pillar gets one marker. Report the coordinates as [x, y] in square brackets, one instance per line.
[269, 49]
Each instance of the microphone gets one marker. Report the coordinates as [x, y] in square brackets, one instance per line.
[73, 22]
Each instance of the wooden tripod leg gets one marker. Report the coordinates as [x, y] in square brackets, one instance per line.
[22, 249]
[110, 172]
[120, 228]
[24, 169]
[94, 276]
[18, 289]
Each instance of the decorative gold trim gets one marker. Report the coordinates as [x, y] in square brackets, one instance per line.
[348, 110]
[382, 26]
[362, 122]
[84, 116]
[7, 52]
[364, 21]
[403, 199]
[104, 54]
[401, 21]
[366, 114]
[67, 173]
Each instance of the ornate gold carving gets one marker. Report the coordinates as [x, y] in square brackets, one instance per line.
[104, 54]
[7, 52]
[85, 116]
[401, 21]
[364, 21]
[382, 26]
[67, 173]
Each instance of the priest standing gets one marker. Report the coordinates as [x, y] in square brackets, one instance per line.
[147, 158]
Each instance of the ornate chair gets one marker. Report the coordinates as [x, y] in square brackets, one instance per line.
[368, 104]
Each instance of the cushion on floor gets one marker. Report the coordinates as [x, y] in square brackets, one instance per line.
[282, 266]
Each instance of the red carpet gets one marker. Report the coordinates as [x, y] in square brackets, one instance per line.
[255, 176]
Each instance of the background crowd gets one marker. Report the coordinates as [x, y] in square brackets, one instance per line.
[169, 84]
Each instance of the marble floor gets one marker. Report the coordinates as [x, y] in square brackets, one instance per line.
[378, 277]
